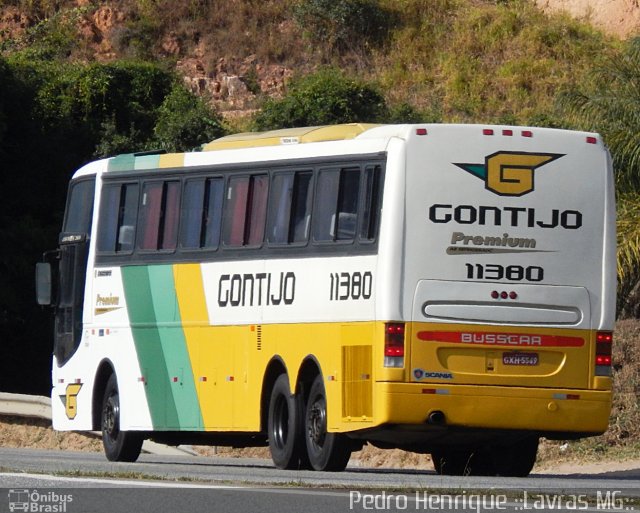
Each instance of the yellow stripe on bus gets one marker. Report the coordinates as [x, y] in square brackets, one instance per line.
[195, 320]
[171, 160]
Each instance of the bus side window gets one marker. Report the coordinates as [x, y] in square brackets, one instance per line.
[202, 213]
[257, 212]
[150, 215]
[170, 216]
[290, 211]
[370, 204]
[348, 204]
[159, 215]
[118, 209]
[108, 227]
[301, 207]
[280, 211]
[212, 218]
[235, 211]
[127, 217]
[192, 213]
[326, 203]
[336, 205]
[245, 210]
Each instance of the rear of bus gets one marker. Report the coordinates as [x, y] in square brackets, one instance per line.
[508, 289]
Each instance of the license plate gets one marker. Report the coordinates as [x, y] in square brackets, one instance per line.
[520, 359]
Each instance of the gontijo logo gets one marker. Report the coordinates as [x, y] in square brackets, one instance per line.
[509, 173]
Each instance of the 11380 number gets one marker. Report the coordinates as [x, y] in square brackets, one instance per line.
[531, 273]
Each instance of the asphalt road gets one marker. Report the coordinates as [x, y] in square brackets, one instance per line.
[70, 482]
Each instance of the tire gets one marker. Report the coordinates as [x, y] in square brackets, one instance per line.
[118, 445]
[326, 451]
[454, 462]
[514, 460]
[284, 427]
[518, 459]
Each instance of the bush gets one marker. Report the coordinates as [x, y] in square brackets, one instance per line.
[185, 122]
[324, 98]
[342, 24]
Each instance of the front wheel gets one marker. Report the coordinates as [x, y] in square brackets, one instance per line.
[327, 451]
[118, 445]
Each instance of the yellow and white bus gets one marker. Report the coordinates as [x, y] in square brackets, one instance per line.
[445, 289]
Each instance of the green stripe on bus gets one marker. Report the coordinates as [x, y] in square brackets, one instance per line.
[174, 346]
[124, 162]
[161, 347]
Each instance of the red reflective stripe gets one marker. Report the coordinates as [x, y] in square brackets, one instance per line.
[500, 339]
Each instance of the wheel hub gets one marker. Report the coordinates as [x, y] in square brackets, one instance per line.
[317, 423]
[110, 418]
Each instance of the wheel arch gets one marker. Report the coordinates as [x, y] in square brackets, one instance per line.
[274, 368]
[309, 369]
[104, 372]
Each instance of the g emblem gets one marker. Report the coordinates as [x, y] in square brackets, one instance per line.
[71, 400]
[509, 173]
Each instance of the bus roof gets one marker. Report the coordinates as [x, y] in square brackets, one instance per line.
[289, 136]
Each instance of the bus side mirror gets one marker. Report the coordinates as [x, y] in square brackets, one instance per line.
[43, 283]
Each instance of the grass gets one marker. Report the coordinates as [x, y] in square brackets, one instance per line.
[493, 63]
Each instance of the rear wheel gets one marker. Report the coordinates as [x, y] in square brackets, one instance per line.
[514, 460]
[452, 462]
[327, 451]
[284, 426]
[118, 445]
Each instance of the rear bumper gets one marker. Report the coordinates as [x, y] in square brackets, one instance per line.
[496, 408]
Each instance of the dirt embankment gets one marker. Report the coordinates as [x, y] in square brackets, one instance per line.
[618, 17]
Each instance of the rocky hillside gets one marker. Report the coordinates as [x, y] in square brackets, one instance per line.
[108, 31]
[452, 59]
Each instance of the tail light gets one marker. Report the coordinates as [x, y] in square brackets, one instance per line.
[604, 342]
[394, 344]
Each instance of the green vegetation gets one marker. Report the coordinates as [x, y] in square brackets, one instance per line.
[609, 104]
[342, 25]
[54, 117]
[324, 98]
